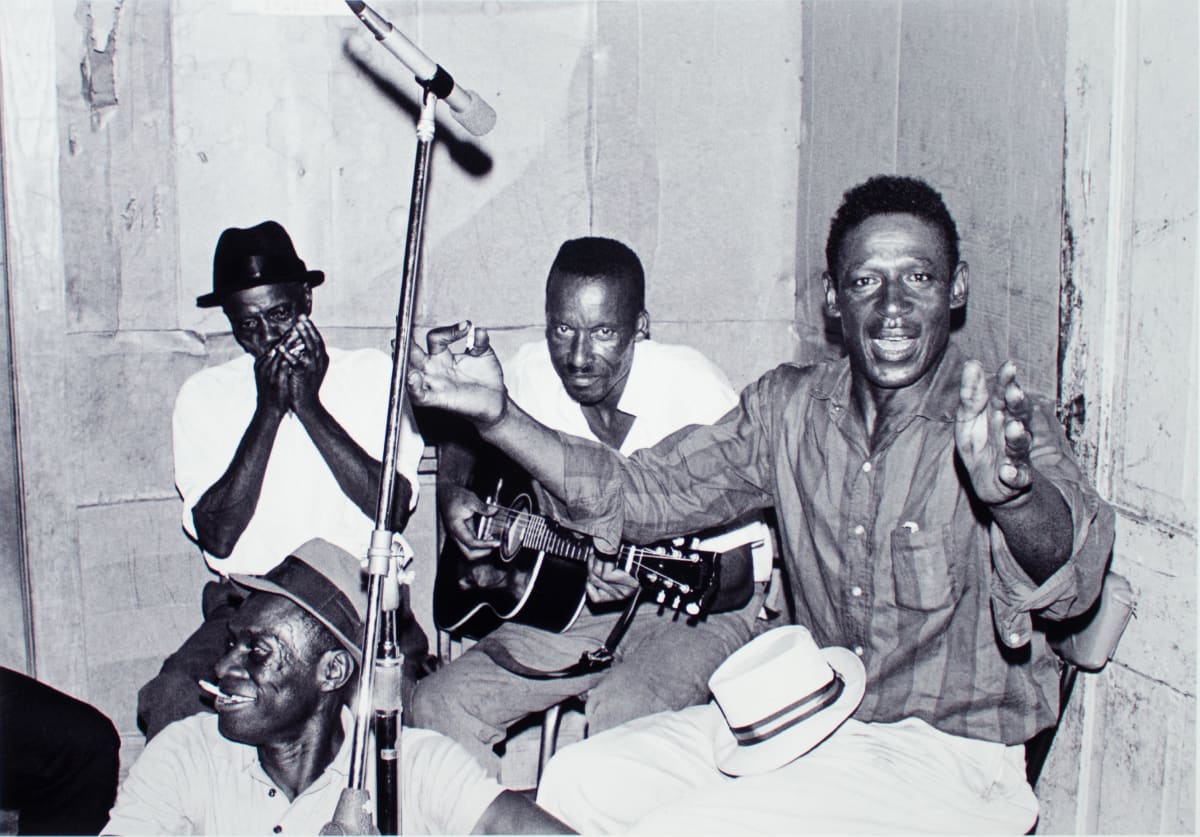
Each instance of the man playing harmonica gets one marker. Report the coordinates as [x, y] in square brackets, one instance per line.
[271, 449]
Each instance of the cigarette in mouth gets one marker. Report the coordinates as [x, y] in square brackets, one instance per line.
[213, 690]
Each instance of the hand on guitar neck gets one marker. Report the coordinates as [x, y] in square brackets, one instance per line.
[606, 581]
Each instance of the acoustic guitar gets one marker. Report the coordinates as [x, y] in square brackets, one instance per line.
[538, 574]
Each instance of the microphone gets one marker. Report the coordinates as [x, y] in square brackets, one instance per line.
[467, 108]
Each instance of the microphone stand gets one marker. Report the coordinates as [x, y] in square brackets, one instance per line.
[385, 554]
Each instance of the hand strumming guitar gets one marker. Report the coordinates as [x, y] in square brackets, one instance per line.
[460, 509]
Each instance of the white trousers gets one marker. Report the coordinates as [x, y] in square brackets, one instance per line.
[657, 774]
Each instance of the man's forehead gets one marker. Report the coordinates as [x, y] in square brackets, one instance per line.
[265, 614]
[893, 236]
[599, 290]
[262, 297]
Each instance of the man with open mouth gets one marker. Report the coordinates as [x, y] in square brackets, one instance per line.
[276, 756]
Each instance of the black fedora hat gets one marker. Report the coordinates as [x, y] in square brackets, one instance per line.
[259, 255]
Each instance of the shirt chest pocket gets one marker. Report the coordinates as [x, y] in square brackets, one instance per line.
[925, 568]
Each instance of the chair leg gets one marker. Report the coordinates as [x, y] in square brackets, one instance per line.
[549, 740]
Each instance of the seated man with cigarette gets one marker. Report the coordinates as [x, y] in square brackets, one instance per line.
[276, 756]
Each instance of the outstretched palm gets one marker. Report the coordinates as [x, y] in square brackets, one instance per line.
[470, 383]
[992, 433]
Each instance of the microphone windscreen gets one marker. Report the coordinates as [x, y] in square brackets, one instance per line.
[477, 117]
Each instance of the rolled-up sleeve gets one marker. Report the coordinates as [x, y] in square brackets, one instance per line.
[1074, 587]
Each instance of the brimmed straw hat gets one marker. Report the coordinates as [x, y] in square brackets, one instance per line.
[782, 696]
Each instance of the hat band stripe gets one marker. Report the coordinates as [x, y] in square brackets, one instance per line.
[805, 708]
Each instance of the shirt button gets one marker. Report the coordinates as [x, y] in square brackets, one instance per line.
[856, 591]
[271, 792]
[1014, 639]
[866, 467]
[278, 829]
[859, 530]
[858, 649]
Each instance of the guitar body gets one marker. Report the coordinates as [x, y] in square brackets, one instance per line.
[538, 575]
[532, 586]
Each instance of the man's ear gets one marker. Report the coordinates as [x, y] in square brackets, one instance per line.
[958, 286]
[831, 300]
[306, 301]
[335, 669]
[642, 328]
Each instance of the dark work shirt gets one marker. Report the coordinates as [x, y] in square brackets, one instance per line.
[886, 550]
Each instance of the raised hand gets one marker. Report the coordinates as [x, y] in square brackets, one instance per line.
[470, 383]
[459, 509]
[304, 351]
[992, 434]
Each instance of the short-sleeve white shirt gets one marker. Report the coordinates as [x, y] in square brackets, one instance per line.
[190, 779]
[669, 387]
[300, 498]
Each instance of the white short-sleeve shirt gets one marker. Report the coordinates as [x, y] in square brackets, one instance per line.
[300, 498]
[190, 779]
[669, 387]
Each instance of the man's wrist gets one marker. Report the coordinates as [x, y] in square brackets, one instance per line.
[310, 410]
[487, 428]
[1017, 501]
[270, 413]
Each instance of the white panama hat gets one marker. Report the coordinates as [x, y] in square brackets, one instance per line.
[782, 696]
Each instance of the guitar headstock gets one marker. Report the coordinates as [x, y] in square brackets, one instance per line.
[677, 578]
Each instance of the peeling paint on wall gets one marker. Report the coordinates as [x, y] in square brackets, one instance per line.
[98, 67]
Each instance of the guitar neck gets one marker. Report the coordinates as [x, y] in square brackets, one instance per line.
[537, 534]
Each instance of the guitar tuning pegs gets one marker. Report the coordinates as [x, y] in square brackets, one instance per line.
[685, 588]
[692, 609]
[661, 597]
[675, 604]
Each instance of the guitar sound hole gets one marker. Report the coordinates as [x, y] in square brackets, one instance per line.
[510, 543]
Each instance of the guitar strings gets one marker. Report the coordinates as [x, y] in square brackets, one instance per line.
[535, 533]
[537, 523]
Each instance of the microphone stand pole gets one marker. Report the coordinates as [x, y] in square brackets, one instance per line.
[353, 810]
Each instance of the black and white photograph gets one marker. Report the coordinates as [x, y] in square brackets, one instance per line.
[599, 416]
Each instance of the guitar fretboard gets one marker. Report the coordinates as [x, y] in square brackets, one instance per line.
[536, 532]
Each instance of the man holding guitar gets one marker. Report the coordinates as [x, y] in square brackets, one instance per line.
[598, 376]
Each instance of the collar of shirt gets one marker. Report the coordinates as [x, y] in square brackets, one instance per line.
[939, 403]
[566, 414]
[336, 770]
[639, 391]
